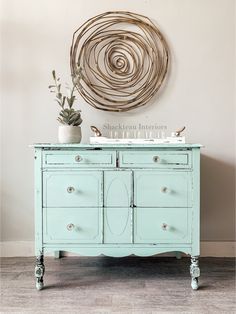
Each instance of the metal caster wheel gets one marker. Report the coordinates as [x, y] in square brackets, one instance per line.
[39, 285]
[194, 283]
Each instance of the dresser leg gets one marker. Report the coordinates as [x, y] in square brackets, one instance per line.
[194, 272]
[57, 254]
[39, 271]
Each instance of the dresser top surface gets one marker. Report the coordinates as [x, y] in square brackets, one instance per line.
[116, 146]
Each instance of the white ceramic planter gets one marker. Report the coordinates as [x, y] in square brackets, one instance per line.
[69, 134]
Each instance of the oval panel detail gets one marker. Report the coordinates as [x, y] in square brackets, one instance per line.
[117, 193]
[117, 220]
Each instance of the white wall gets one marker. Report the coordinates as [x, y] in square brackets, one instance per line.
[36, 38]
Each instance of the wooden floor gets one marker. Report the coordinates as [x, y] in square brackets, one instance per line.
[86, 285]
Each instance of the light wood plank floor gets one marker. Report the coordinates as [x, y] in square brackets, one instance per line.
[87, 285]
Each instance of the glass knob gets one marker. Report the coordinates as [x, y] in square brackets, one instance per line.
[78, 158]
[156, 158]
[164, 189]
[70, 227]
[70, 189]
[164, 226]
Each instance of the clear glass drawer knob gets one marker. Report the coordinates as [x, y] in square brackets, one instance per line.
[70, 227]
[164, 189]
[70, 189]
[78, 158]
[156, 158]
[164, 226]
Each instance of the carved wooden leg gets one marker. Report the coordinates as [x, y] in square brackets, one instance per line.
[57, 254]
[39, 272]
[194, 272]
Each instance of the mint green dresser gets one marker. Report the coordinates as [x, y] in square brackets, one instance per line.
[117, 200]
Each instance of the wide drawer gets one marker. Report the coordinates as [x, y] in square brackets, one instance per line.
[155, 159]
[162, 188]
[72, 225]
[162, 225]
[73, 189]
[79, 158]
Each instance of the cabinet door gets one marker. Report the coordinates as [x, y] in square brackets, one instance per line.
[72, 225]
[117, 188]
[162, 189]
[117, 206]
[162, 225]
[73, 189]
[117, 225]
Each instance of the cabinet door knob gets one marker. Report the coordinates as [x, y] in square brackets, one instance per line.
[164, 226]
[78, 158]
[164, 189]
[70, 189]
[156, 158]
[70, 227]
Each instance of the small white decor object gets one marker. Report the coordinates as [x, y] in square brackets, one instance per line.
[69, 134]
[167, 140]
[175, 138]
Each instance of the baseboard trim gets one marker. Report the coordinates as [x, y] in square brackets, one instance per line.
[208, 248]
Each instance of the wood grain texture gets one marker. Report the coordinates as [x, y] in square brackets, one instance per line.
[129, 285]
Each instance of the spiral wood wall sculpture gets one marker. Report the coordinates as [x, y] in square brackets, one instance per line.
[118, 60]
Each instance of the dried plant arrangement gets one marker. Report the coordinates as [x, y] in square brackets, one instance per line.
[67, 115]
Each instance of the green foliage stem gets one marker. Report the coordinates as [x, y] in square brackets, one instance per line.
[68, 115]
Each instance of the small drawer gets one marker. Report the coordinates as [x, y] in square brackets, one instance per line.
[72, 225]
[162, 188]
[79, 158]
[155, 159]
[162, 225]
[73, 188]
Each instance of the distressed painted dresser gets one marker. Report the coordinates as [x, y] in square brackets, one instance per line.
[117, 200]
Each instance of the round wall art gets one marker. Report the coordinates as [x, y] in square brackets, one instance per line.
[118, 60]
